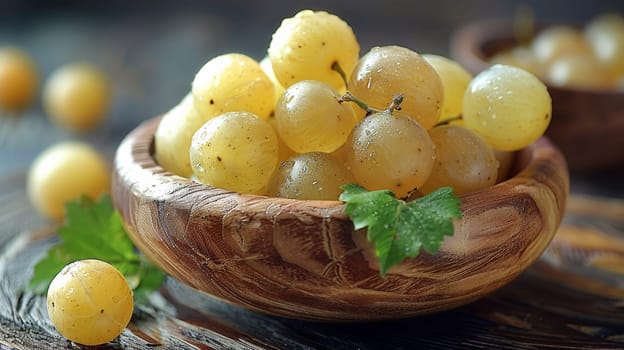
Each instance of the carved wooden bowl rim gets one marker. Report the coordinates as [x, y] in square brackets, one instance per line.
[302, 259]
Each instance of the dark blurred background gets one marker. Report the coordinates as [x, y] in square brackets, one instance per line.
[151, 50]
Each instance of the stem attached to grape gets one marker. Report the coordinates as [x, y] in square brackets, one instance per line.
[449, 120]
[348, 97]
[395, 104]
[336, 67]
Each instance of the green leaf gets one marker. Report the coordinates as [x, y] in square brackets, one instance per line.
[398, 229]
[151, 279]
[93, 230]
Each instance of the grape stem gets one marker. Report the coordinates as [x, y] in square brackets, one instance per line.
[337, 68]
[449, 120]
[395, 104]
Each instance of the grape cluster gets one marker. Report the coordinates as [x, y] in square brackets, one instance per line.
[314, 115]
[589, 57]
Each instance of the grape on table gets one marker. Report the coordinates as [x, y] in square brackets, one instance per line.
[18, 79]
[77, 96]
[63, 172]
[90, 302]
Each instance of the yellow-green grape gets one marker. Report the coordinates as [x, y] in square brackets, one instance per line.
[390, 152]
[340, 153]
[77, 96]
[506, 161]
[314, 175]
[455, 79]
[284, 151]
[90, 302]
[508, 106]
[579, 71]
[172, 139]
[236, 151]
[64, 172]
[278, 89]
[521, 57]
[464, 161]
[389, 70]
[18, 79]
[605, 34]
[557, 41]
[309, 118]
[232, 82]
[307, 45]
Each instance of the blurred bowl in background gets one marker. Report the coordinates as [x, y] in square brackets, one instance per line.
[587, 124]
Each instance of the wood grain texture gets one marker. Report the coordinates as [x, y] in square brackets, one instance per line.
[563, 301]
[596, 117]
[302, 259]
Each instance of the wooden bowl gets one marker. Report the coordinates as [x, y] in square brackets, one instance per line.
[587, 125]
[303, 259]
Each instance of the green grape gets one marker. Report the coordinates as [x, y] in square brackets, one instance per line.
[77, 96]
[285, 152]
[64, 172]
[232, 82]
[341, 153]
[455, 79]
[508, 106]
[579, 71]
[236, 151]
[605, 34]
[557, 41]
[314, 175]
[521, 57]
[506, 161]
[18, 78]
[90, 302]
[172, 139]
[309, 118]
[278, 89]
[389, 70]
[390, 152]
[464, 161]
[306, 47]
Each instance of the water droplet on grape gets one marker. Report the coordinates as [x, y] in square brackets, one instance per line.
[199, 168]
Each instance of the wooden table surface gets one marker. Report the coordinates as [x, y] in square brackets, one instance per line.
[573, 297]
